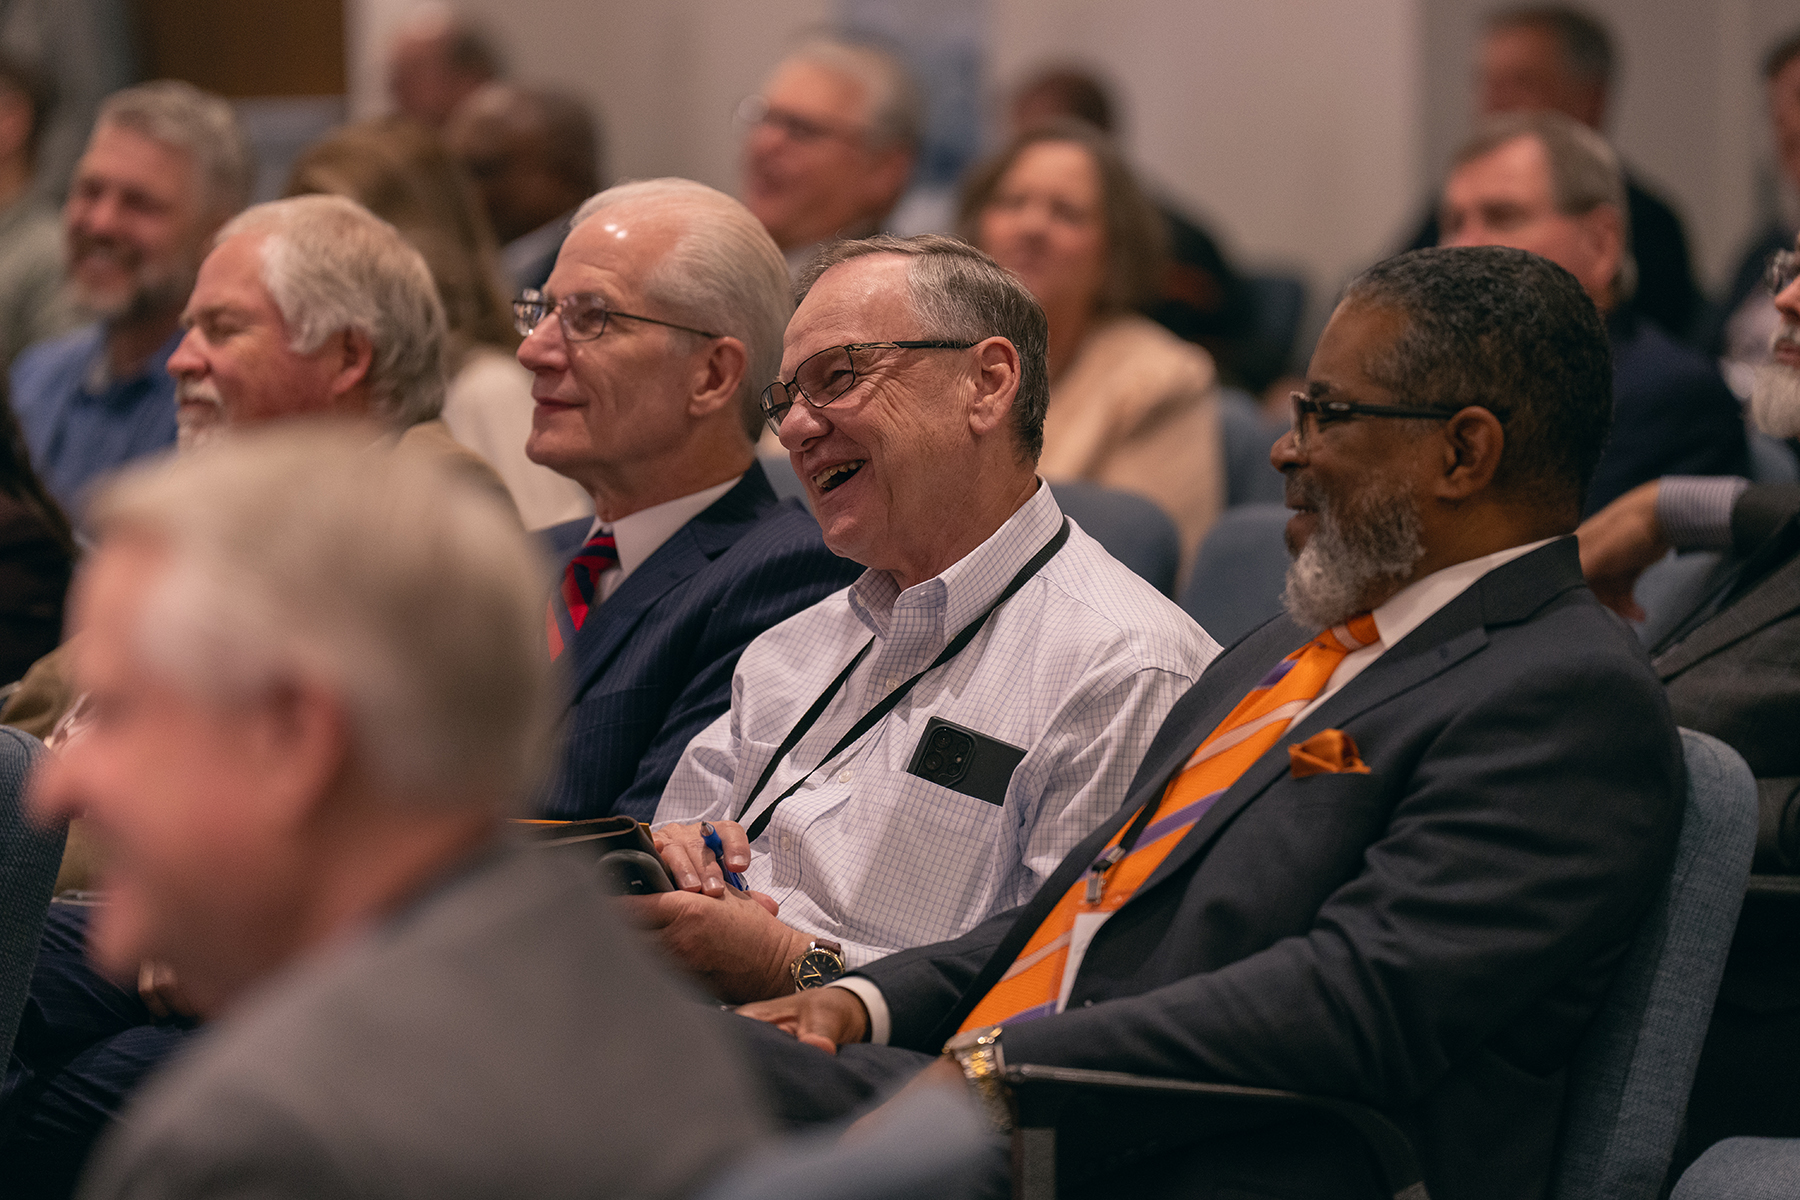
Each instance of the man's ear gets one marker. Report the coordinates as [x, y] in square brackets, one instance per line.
[303, 742]
[352, 356]
[1604, 232]
[718, 377]
[1473, 441]
[996, 384]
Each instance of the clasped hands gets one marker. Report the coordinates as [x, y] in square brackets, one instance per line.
[734, 941]
[738, 946]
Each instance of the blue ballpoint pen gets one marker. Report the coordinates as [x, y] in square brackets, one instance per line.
[711, 837]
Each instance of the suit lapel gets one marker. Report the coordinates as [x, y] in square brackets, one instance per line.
[678, 559]
[1511, 592]
[1507, 594]
[1769, 601]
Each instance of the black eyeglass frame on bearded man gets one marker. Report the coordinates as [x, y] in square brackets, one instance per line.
[1305, 406]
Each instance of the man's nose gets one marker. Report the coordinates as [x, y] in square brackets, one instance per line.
[801, 425]
[1286, 452]
[544, 347]
[1787, 301]
[97, 215]
[187, 360]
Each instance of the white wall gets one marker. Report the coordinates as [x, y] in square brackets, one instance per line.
[1288, 125]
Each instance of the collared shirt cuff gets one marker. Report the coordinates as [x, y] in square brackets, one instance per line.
[866, 991]
[1694, 511]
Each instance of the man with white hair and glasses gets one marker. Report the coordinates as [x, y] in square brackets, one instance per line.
[917, 752]
[669, 300]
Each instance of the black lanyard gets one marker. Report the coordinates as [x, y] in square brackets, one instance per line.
[869, 719]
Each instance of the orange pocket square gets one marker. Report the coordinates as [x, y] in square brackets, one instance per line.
[1329, 752]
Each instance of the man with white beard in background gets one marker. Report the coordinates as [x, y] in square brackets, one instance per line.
[1732, 669]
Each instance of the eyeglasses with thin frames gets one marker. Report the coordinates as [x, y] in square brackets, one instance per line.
[823, 377]
[583, 316]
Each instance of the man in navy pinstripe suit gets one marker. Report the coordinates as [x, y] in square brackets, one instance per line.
[669, 301]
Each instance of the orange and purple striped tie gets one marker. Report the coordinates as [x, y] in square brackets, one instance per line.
[576, 593]
[1032, 986]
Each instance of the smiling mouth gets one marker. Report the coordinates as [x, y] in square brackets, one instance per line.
[833, 477]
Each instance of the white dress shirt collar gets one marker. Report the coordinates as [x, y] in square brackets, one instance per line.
[1409, 608]
[972, 582]
[641, 534]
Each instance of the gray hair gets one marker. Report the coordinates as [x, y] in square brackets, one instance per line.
[331, 265]
[1584, 173]
[306, 552]
[199, 124]
[896, 109]
[1586, 47]
[724, 274]
[960, 294]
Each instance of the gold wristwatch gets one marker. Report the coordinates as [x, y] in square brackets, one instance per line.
[977, 1052]
[818, 964]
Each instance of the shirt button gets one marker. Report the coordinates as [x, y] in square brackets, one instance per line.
[845, 775]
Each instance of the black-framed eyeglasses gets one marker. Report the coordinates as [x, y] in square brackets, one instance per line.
[583, 316]
[1308, 410]
[823, 377]
[753, 111]
[1783, 269]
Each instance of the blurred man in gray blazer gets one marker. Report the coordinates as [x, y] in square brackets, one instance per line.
[316, 689]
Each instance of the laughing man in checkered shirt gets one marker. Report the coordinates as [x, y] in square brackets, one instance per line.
[913, 401]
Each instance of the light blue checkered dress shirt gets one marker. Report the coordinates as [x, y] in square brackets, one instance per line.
[1078, 669]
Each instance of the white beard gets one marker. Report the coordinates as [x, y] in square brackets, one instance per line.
[200, 416]
[1775, 400]
[1331, 578]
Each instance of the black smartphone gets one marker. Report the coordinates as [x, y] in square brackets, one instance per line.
[957, 757]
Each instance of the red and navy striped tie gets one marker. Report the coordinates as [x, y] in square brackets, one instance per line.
[576, 594]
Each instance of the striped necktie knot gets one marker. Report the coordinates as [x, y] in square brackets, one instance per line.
[581, 578]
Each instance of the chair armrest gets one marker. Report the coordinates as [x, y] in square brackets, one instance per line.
[1040, 1094]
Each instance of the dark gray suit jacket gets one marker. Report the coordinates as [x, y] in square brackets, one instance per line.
[1732, 666]
[506, 1037]
[1430, 938]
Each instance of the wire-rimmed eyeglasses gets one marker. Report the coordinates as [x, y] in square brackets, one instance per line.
[823, 377]
[754, 111]
[583, 316]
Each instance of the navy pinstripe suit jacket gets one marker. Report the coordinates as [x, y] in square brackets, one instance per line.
[652, 666]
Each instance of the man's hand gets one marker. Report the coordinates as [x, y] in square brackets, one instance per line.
[695, 869]
[826, 1017]
[1617, 543]
[735, 943]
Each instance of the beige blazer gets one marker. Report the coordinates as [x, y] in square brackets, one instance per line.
[1138, 410]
